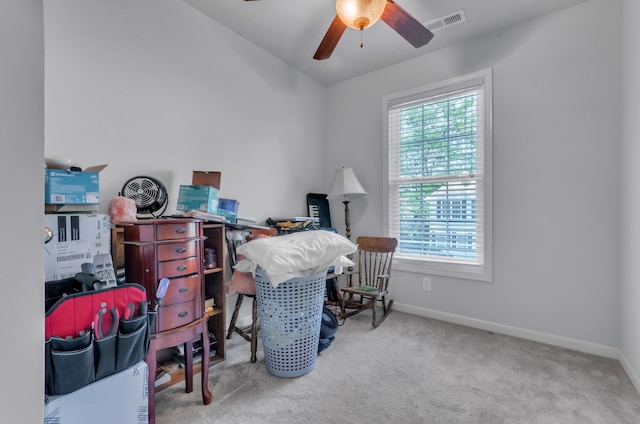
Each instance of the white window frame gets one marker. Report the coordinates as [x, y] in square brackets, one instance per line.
[448, 267]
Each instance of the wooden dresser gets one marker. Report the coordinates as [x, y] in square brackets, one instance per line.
[173, 248]
[168, 248]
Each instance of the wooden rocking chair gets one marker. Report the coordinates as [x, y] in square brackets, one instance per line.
[371, 285]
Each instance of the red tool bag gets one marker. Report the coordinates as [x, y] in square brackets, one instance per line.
[93, 334]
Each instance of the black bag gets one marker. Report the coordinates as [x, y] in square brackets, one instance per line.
[57, 289]
[91, 335]
[332, 289]
[328, 328]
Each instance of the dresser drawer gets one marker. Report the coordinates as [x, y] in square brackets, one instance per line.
[182, 289]
[179, 268]
[180, 230]
[178, 314]
[180, 250]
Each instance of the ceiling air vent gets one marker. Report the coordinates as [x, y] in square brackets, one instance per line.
[446, 21]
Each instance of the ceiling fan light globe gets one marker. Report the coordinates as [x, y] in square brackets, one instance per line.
[360, 14]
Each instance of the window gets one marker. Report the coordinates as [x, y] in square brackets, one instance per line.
[438, 177]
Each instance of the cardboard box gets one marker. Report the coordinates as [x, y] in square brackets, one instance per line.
[76, 239]
[121, 398]
[229, 216]
[195, 197]
[65, 187]
[71, 208]
[202, 194]
[209, 178]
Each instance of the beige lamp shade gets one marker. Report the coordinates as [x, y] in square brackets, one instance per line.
[346, 184]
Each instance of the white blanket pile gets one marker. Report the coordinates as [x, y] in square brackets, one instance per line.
[300, 254]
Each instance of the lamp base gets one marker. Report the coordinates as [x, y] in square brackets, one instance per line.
[346, 219]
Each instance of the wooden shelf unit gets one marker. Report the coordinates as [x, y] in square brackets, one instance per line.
[215, 287]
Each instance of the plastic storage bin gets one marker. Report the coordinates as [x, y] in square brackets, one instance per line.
[290, 316]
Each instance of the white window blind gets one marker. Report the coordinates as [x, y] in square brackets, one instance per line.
[436, 174]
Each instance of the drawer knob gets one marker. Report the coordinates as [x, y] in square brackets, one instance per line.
[183, 289]
[183, 314]
[181, 230]
[182, 267]
[181, 249]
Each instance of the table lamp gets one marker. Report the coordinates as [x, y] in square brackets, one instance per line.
[345, 185]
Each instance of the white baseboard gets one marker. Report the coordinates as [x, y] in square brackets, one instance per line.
[574, 344]
[633, 376]
[565, 342]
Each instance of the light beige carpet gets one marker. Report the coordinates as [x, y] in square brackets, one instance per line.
[413, 370]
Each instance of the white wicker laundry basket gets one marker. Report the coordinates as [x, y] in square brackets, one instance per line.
[290, 316]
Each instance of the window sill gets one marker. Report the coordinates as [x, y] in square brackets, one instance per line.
[445, 269]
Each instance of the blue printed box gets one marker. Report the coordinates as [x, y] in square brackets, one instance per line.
[198, 197]
[66, 187]
[230, 205]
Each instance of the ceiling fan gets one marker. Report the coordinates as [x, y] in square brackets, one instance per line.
[361, 14]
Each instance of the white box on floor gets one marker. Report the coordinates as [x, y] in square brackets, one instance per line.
[121, 398]
[77, 238]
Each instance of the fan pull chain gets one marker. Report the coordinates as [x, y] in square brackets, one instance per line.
[361, 42]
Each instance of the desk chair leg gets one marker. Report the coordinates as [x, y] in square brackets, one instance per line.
[234, 316]
[249, 335]
[254, 331]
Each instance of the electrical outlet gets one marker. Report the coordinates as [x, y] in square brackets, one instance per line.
[426, 283]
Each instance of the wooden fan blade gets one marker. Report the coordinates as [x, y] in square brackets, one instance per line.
[406, 25]
[330, 40]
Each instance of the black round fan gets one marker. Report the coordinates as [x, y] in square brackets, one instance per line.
[149, 194]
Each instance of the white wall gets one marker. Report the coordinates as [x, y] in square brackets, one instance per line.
[555, 192]
[153, 87]
[630, 198]
[112, 98]
[21, 152]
